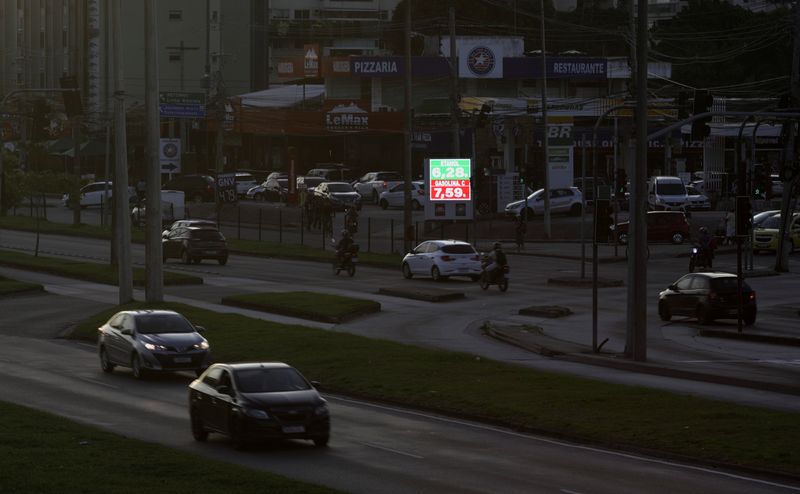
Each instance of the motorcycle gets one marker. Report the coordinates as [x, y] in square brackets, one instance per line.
[497, 277]
[347, 262]
[699, 258]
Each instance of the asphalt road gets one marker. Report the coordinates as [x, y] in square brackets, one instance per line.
[374, 448]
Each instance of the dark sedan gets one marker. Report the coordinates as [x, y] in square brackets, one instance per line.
[197, 188]
[707, 296]
[151, 340]
[257, 401]
[193, 244]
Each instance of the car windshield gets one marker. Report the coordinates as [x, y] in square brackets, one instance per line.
[313, 181]
[340, 188]
[772, 222]
[208, 234]
[458, 249]
[670, 189]
[162, 323]
[263, 380]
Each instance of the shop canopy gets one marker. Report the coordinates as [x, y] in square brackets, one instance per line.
[284, 96]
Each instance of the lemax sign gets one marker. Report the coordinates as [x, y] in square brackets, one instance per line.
[450, 179]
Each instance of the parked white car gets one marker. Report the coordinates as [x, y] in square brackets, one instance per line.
[372, 184]
[395, 197]
[564, 200]
[697, 200]
[667, 194]
[92, 194]
[244, 182]
[440, 259]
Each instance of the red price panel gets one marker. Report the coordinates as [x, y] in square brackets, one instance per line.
[450, 180]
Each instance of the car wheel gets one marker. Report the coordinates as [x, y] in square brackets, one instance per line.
[678, 238]
[383, 204]
[663, 312]
[105, 363]
[199, 432]
[416, 205]
[321, 441]
[407, 274]
[436, 274]
[185, 258]
[136, 366]
[223, 260]
[503, 285]
[484, 282]
[575, 210]
[703, 315]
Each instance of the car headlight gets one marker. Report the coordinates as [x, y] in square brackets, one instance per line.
[255, 413]
[321, 410]
[203, 345]
[153, 346]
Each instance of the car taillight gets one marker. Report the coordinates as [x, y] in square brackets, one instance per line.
[385, 184]
[448, 258]
[713, 295]
[752, 296]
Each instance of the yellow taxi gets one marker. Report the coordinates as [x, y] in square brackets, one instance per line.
[765, 237]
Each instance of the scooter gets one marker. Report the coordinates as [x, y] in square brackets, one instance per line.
[497, 277]
[699, 258]
[347, 262]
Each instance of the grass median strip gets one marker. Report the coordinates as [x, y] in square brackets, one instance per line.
[11, 287]
[469, 386]
[40, 452]
[89, 271]
[315, 306]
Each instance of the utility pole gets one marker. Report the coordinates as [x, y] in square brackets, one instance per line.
[154, 289]
[636, 343]
[454, 109]
[408, 227]
[547, 231]
[76, 164]
[122, 223]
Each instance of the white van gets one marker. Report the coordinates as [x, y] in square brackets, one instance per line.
[667, 194]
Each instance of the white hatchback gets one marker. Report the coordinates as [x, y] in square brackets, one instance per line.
[440, 259]
[96, 193]
[395, 196]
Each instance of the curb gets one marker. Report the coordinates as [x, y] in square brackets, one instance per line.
[299, 314]
[758, 338]
[430, 295]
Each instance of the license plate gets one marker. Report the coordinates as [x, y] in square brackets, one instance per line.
[293, 429]
[210, 252]
[183, 360]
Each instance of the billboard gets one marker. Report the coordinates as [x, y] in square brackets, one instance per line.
[449, 184]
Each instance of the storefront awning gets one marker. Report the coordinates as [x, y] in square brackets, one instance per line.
[283, 96]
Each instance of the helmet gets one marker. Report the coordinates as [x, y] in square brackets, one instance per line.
[497, 245]
[345, 233]
[703, 229]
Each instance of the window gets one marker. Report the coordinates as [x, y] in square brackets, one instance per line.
[176, 15]
[684, 283]
[302, 14]
[700, 283]
[281, 13]
[212, 377]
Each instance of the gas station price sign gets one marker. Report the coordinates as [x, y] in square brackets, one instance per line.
[449, 179]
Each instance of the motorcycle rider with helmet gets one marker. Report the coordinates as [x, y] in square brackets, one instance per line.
[343, 246]
[497, 259]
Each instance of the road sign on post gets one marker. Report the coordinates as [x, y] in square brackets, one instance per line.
[226, 188]
[181, 105]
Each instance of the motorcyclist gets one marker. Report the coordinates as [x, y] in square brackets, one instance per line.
[344, 245]
[497, 259]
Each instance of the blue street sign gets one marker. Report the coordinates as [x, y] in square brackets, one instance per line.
[181, 111]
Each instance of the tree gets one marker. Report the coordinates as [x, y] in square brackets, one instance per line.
[719, 46]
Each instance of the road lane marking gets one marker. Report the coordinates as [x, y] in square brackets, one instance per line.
[390, 450]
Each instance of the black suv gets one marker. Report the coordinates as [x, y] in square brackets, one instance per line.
[193, 244]
[197, 188]
[707, 296]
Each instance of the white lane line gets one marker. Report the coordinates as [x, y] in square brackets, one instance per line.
[101, 383]
[390, 450]
[567, 491]
[619, 454]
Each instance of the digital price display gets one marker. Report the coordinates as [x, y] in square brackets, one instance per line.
[450, 180]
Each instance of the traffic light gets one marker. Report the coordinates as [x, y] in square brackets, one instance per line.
[72, 99]
[621, 183]
[602, 220]
[702, 104]
[744, 216]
